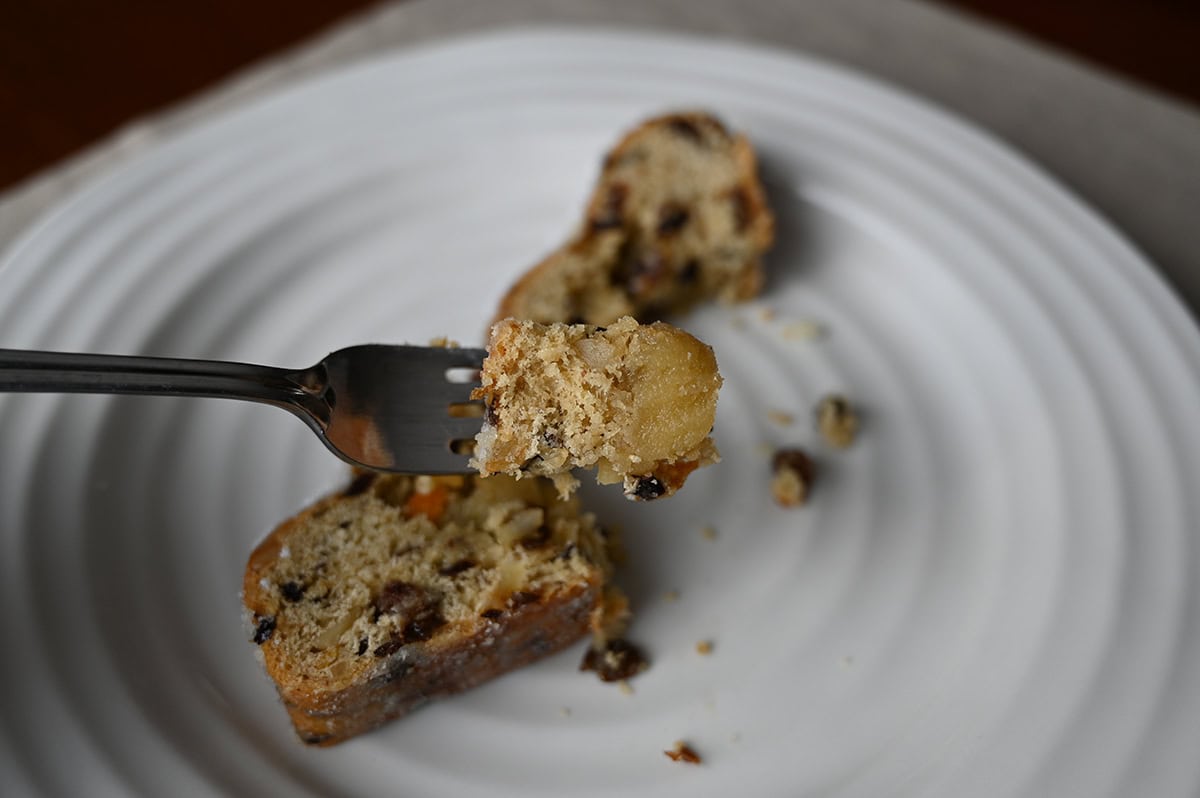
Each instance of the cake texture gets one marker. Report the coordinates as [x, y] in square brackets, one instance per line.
[400, 590]
[636, 402]
[678, 215]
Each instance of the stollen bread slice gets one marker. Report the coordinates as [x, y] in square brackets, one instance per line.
[678, 216]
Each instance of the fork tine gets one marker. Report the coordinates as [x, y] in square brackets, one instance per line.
[391, 406]
[459, 428]
[448, 392]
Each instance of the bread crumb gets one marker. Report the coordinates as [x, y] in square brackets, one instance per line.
[792, 475]
[625, 687]
[764, 449]
[781, 418]
[737, 323]
[704, 647]
[671, 595]
[682, 752]
[766, 314]
[837, 421]
[708, 532]
[564, 711]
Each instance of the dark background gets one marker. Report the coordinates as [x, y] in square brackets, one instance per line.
[73, 70]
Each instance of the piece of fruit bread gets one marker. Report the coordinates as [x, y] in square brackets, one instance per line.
[399, 590]
[636, 402]
[678, 216]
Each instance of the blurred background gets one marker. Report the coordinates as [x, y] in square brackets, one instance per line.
[72, 71]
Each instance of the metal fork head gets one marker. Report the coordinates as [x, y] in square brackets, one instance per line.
[389, 407]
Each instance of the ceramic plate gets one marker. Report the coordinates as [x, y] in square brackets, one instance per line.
[992, 593]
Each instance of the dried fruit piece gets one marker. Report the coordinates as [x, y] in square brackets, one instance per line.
[793, 472]
[616, 661]
[672, 216]
[264, 629]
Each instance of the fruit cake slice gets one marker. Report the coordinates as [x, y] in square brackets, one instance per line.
[678, 215]
[403, 589]
[637, 402]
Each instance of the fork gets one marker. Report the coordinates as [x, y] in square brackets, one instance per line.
[377, 406]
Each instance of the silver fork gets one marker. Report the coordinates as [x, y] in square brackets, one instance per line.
[382, 407]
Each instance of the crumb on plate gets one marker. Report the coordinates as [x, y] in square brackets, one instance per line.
[837, 421]
[682, 752]
[792, 475]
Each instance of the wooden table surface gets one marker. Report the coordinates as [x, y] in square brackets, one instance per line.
[72, 71]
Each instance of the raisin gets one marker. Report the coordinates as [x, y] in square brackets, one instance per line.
[292, 591]
[618, 659]
[671, 218]
[423, 627]
[641, 274]
[523, 597]
[685, 128]
[264, 629]
[388, 648]
[457, 567]
[611, 213]
[403, 598]
[418, 606]
[316, 739]
[362, 647]
[649, 487]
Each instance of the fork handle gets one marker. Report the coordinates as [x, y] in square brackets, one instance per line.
[27, 371]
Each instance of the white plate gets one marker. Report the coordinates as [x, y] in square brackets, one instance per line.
[993, 593]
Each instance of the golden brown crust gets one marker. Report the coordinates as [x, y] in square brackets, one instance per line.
[514, 639]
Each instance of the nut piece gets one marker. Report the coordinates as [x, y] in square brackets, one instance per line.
[836, 421]
[682, 752]
[793, 473]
